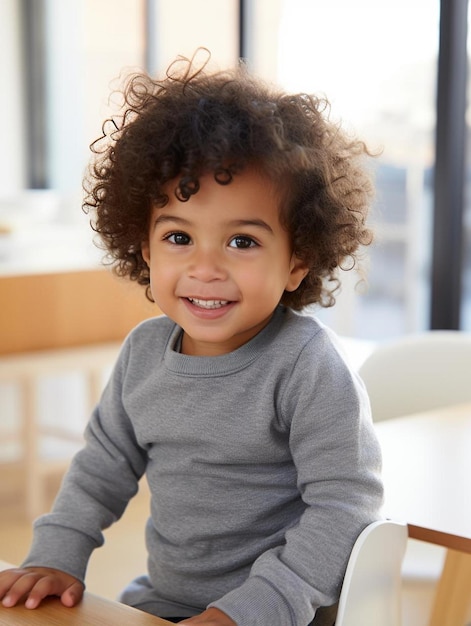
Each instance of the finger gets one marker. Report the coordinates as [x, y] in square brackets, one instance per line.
[210, 617]
[20, 585]
[199, 619]
[51, 585]
[73, 594]
[196, 619]
[7, 579]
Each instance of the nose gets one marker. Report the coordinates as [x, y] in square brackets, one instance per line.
[207, 264]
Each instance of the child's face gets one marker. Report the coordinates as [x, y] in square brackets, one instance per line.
[220, 262]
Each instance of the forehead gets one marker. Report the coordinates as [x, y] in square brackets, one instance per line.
[248, 191]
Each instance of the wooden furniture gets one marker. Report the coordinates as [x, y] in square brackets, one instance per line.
[92, 611]
[413, 373]
[25, 373]
[54, 324]
[66, 309]
[426, 472]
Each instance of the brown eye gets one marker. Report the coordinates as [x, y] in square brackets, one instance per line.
[242, 242]
[179, 239]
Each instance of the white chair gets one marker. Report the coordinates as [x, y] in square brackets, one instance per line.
[418, 372]
[414, 373]
[371, 590]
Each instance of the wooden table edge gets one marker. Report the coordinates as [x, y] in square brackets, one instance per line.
[92, 610]
[447, 540]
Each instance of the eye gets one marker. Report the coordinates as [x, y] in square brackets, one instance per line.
[242, 242]
[179, 239]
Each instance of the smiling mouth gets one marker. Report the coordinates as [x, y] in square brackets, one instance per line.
[208, 304]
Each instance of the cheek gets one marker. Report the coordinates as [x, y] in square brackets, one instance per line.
[163, 290]
[161, 275]
[267, 279]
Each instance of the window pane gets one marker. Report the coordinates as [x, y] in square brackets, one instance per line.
[181, 26]
[376, 61]
[12, 169]
[89, 48]
[89, 45]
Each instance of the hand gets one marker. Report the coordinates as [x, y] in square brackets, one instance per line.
[210, 617]
[36, 583]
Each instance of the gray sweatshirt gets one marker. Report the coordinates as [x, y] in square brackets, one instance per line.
[262, 464]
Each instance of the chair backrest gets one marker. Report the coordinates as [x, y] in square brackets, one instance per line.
[418, 372]
[371, 590]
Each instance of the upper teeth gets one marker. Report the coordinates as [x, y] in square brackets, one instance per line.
[208, 304]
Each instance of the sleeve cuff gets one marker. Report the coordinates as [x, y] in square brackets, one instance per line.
[256, 602]
[60, 548]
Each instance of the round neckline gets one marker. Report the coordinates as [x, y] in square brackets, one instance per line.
[186, 365]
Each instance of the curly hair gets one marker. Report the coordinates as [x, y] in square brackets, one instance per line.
[193, 123]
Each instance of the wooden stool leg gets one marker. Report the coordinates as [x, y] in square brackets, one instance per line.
[453, 595]
[34, 497]
[95, 387]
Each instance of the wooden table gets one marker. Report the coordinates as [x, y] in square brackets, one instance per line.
[92, 611]
[427, 477]
[68, 309]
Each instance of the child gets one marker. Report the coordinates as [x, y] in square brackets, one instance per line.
[234, 204]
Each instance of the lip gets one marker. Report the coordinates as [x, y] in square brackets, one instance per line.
[211, 313]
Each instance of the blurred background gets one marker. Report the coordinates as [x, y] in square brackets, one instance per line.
[378, 63]
[395, 73]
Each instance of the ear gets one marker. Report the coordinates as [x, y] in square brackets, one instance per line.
[298, 270]
[145, 251]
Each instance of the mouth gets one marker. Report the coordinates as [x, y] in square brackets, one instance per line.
[208, 304]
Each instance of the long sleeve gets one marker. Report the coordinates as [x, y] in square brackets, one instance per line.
[337, 461]
[102, 478]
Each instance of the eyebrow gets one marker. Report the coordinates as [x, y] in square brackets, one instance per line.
[254, 222]
[164, 218]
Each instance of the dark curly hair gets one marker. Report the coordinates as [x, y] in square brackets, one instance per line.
[194, 122]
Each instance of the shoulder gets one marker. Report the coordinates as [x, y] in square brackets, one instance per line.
[309, 337]
[147, 339]
[153, 327]
[314, 355]
[319, 379]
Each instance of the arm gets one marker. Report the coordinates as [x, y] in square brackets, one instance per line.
[337, 461]
[102, 478]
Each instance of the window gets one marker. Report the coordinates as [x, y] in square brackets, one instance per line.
[378, 70]
[375, 60]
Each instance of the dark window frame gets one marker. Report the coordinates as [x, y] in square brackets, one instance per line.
[450, 168]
